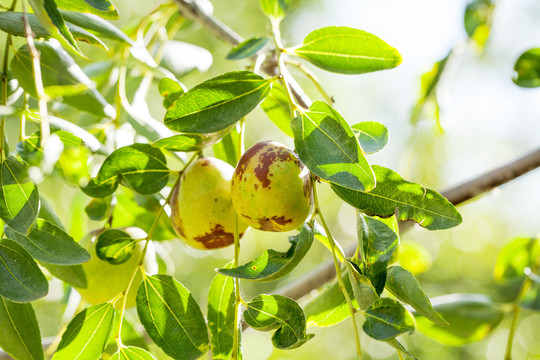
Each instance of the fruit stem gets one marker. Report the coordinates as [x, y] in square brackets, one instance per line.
[338, 269]
[281, 66]
[238, 301]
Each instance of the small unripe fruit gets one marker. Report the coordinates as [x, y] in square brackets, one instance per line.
[201, 209]
[271, 188]
[105, 281]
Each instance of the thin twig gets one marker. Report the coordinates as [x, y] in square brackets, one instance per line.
[191, 9]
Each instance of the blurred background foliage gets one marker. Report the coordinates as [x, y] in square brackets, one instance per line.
[480, 120]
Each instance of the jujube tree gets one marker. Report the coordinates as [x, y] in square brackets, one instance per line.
[189, 176]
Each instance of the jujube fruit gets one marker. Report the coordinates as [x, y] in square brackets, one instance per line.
[201, 209]
[271, 188]
[105, 281]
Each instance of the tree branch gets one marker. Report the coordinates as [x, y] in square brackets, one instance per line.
[192, 10]
[456, 195]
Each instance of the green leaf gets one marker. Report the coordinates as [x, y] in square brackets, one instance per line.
[20, 336]
[348, 51]
[273, 265]
[48, 14]
[217, 103]
[428, 89]
[190, 142]
[403, 285]
[87, 334]
[247, 48]
[514, 257]
[372, 135]
[132, 353]
[531, 299]
[58, 68]
[477, 20]
[330, 307]
[171, 90]
[30, 150]
[115, 246]
[192, 58]
[102, 5]
[274, 8]
[364, 293]
[96, 24]
[48, 243]
[46, 212]
[527, 69]
[132, 209]
[377, 242]
[73, 274]
[11, 22]
[82, 35]
[269, 312]
[99, 208]
[19, 197]
[172, 317]
[142, 166]
[471, 317]
[221, 321]
[412, 201]
[397, 345]
[327, 146]
[21, 280]
[102, 8]
[276, 106]
[169, 86]
[386, 318]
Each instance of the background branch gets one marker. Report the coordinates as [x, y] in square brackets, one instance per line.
[456, 195]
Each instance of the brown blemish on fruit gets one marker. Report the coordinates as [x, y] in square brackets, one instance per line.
[308, 186]
[281, 220]
[267, 158]
[266, 224]
[205, 162]
[216, 238]
[256, 186]
[244, 160]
